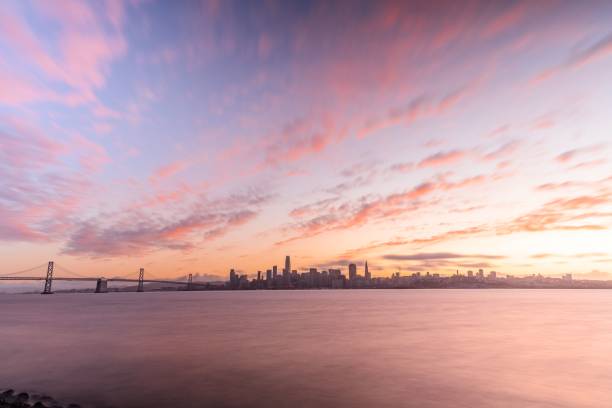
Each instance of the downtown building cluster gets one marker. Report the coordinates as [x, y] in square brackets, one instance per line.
[288, 278]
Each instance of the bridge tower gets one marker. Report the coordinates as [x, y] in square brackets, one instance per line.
[49, 279]
[190, 282]
[101, 286]
[140, 281]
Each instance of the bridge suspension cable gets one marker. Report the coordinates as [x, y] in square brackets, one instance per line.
[151, 275]
[63, 269]
[41, 266]
[132, 275]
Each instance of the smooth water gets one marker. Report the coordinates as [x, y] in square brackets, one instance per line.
[341, 348]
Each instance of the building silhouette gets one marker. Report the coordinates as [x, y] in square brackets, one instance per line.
[314, 278]
[287, 270]
[233, 278]
[352, 272]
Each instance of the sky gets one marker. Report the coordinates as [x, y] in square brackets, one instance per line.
[195, 137]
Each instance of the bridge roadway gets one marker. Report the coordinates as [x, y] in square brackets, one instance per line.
[41, 278]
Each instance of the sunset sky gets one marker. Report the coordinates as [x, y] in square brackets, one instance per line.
[194, 137]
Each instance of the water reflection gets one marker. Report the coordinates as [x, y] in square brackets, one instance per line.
[383, 348]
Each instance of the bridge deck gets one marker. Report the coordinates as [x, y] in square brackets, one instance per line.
[40, 278]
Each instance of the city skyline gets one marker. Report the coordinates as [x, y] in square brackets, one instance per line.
[332, 278]
[194, 136]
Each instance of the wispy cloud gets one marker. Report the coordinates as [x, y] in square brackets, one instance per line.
[442, 159]
[569, 155]
[345, 216]
[85, 50]
[134, 232]
[593, 52]
[168, 170]
[437, 255]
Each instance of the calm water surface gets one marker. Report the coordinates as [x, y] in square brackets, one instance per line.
[368, 348]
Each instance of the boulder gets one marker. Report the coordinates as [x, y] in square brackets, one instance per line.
[23, 396]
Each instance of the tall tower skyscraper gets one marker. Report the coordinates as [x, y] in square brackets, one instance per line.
[287, 270]
[352, 271]
[233, 278]
[368, 276]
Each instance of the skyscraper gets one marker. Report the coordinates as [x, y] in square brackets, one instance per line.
[274, 271]
[352, 271]
[368, 276]
[287, 270]
[233, 278]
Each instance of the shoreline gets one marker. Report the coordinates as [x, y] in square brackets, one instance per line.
[9, 398]
[470, 288]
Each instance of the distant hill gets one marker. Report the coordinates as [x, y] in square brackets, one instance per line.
[202, 278]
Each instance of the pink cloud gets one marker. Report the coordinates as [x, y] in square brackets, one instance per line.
[571, 154]
[402, 167]
[299, 138]
[167, 171]
[311, 209]
[420, 107]
[18, 90]
[509, 18]
[264, 46]
[590, 164]
[19, 34]
[115, 12]
[93, 156]
[118, 235]
[86, 51]
[105, 112]
[417, 108]
[443, 237]
[598, 50]
[563, 214]
[162, 198]
[297, 173]
[453, 98]
[558, 186]
[498, 131]
[442, 159]
[346, 216]
[88, 58]
[543, 122]
[102, 127]
[24, 145]
[503, 151]
[40, 192]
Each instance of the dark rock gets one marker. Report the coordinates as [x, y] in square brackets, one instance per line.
[23, 396]
[7, 396]
[8, 399]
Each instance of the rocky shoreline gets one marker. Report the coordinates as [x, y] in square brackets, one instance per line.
[11, 399]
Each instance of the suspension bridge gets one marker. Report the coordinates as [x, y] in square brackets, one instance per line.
[101, 283]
